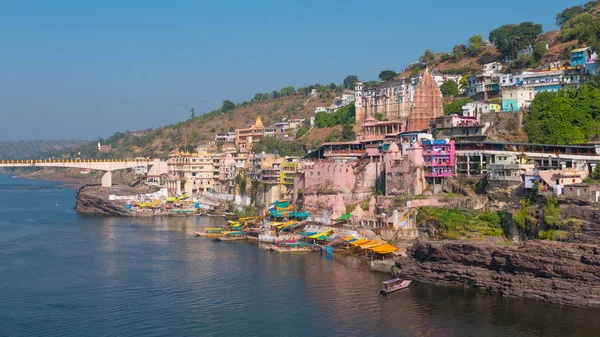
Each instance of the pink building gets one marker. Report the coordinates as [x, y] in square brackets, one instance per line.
[438, 159]
[325, 172]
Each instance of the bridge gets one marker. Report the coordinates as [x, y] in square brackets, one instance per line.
[106, 165]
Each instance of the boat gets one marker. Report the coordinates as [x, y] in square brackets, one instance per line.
[210, 232]
[392, 285]
[231, 236]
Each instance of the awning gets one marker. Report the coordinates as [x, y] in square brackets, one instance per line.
[360, 241]
[372, 244]
[385, 249]
[344, 217]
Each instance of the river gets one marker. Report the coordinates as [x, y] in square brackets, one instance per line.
[66, 275]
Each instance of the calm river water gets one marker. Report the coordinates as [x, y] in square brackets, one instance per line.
[66, 275]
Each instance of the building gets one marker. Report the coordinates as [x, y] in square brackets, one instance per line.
[476, 109]
[246, 136]
[372, 129]
[228, 137]
[321, 109]
[583, 192]
[492, 68]
[427, 104]
[438, 159]
[551, 80]
[517, 98]
[508, 80]
[555, 180]
[484, 86]
[584, 58]
[192, 172]
[460, 128]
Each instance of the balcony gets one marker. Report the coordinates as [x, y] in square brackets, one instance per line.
[438, 175]
[436, 164]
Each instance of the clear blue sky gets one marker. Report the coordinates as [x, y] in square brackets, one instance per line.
[86, 69]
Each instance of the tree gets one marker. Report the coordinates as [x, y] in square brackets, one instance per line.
[458, 52]
[350, 82]
[474, 45]
[387, 75]
[568, 14]
[287, 91]
[428, 57]
[193, 114]
[511, 38]
[414, 71]
[449, 88]
[596, 173]
[332, 86]
[227, 106]
[539, 50]
[567, 117]
[301, 132]
[455, 107]
[347, 133]
[583, 27]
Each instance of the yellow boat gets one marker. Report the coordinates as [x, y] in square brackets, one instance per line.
[210, 232]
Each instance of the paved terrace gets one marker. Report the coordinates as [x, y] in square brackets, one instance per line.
[106, 165]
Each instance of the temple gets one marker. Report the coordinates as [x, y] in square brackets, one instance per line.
[427, 104]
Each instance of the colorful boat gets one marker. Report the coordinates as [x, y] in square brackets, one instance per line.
[392, 285]
[231, 236]
[210, 232]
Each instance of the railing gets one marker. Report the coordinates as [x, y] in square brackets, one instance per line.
[59, 161]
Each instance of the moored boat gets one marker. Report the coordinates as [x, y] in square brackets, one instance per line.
[392, 285]
[231, 236]
[210, 232]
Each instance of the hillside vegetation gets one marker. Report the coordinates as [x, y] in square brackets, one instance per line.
[158, 143]
[35, 149]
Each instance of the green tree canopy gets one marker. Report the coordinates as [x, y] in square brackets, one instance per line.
[227, 106]
[281, 147]
[449, 88]
[564, 118]
[344, 115]
[387, 75]
[567, 14]
[301, 131]
[458, 52]
[287, 91]
[474, 45]
[539, 50]
[428, 57]
[509, 39]
[350, 82]
[455, 107]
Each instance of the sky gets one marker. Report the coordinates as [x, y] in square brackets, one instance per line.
[87, 69]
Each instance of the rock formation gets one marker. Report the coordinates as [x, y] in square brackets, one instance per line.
[427, 104]
[562, 273]
[93, 200]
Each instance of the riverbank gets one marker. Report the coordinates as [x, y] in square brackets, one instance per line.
[555, 272]
[71, 177]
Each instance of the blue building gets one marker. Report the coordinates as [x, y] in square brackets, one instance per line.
[582, 56]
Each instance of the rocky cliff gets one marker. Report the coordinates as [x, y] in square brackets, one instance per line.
[563, 273]
[93, 200]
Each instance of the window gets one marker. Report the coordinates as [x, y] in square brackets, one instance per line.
[319, 173]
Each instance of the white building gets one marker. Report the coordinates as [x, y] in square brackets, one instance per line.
[225, 137]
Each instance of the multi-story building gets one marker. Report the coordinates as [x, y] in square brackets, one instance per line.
[225, 137]
[438, 159]
[391, 99]
[475, 109]
[552, 80]
[246, 136]
[484, 86]
[516, 98]
[193, 172]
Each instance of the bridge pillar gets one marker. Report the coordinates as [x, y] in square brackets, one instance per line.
[107, 179]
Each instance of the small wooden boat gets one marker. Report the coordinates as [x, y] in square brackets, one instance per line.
[396, 284]
[231, 236]
[210, 232]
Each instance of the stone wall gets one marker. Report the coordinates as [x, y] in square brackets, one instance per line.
[561, 273]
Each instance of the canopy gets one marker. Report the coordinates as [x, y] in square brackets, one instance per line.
[213, 229]
[171, 199]
[281, 203]
[385, 249]
[392, 281]
[371, 244]
[299, 215]
[308, 233]
[344, 217]
[360, 241]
